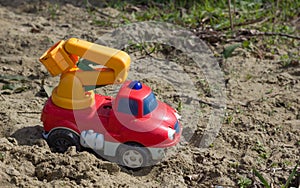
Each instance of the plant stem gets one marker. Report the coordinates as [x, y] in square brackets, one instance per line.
[230, 18]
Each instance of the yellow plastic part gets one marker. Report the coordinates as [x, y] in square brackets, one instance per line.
[93, 78]
[70, 94]
[56, 60]
[114, 59]
[62, 59]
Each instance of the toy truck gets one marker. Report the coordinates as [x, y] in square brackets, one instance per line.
[134, 127]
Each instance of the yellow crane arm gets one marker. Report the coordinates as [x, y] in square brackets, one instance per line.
[62, 59]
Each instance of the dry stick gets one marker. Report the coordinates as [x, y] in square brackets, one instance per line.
[222, 37]
[277, 4]
[233, 20]
[32, 112]
[276, 34]
[280, 169]
[3, 98]
[233, 10]
[89, 5]
[209, 103]
[249, 22]
[258, 33]
[229, 11]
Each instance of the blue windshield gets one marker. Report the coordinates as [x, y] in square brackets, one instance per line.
[128, 106]
[149, 103]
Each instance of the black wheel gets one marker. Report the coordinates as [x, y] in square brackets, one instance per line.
[133, 155]
[61, 139]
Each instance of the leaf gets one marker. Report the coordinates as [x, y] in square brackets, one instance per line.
[48, 90]
[12, 77]
[15, 87]
[246, 44]
[261, 178]
[244, 182]
[20, 89]
[8, 86]
[228, 50]
[291, 176]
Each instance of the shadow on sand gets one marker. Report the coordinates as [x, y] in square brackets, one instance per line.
[29, 135]
[33, 136]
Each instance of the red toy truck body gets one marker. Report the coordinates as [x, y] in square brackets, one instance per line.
[133, 127]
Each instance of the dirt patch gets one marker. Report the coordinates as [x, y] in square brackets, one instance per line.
[260, 130]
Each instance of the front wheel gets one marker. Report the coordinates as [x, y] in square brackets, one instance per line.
[133, 155]
[60, 140]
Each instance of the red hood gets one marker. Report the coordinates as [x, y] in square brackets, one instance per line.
[163, 116]
[152, 129]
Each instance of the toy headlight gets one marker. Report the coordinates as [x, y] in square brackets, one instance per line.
[171, 133]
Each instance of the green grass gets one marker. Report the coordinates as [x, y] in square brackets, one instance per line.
[2, 156]
[185, 13]
[244, 182]
[53, 10]
[215, 14]
[261, 150]
[265, 183]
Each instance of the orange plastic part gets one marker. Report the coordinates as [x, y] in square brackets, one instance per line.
[56, 60]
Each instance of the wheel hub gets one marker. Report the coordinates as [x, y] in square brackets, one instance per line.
[133, 159]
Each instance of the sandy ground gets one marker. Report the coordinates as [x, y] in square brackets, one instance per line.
[261, 128]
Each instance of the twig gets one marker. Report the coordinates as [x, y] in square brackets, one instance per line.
[209, 103]
[234, 11]
[3, 98]
[249, 22]
[20, 112]
[278, 34]
[279, 169]
[93, 8]
[230, 18]
[241, 35]
[258, 33]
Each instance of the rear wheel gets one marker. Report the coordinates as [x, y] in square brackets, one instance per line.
[133, 155]
[60, 140]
